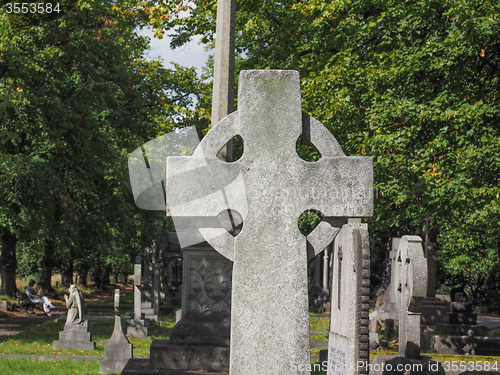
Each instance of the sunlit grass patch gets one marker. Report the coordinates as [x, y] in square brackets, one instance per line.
[318, 324]
[29, 366]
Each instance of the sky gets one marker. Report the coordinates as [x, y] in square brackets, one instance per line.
[190, 55]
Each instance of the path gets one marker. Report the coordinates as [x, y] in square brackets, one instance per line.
[13, 325]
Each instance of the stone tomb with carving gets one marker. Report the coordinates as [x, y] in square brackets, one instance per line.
[200, 340]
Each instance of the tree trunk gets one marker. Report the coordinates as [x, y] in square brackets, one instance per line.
[106, 276]
[8, 263]
[44, 284]
[67, 274]
[95, 277]
[83, 274]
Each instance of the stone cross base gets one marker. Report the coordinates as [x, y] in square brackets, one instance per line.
[75, 337]
[165, 355]
[196, 343]
[138, 328]
[212, 331]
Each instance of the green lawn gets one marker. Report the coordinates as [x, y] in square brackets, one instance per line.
[39, 340]
[28, 366]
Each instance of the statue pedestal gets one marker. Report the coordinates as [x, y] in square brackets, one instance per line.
[75, 336]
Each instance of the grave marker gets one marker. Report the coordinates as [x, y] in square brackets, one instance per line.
[76, 333]
[348, 338]
[118, 350]
[269, 254]
[411, 281]
[138, 327]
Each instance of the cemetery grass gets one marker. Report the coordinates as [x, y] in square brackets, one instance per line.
[64, 367]
[40, 339]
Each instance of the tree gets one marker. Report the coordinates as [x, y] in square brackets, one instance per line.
[415, 84]
[77, 96]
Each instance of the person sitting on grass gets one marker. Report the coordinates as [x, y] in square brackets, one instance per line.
[47, 305]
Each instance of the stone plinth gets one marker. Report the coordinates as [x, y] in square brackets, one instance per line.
[462, 318]
[75, 336]
[460, 329]
[454, 344]
[170, 356]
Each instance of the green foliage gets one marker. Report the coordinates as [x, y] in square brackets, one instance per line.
[414, 84]
[76, 97]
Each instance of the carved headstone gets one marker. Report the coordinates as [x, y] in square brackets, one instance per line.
[118, 350]
[348, 339]
[200, 340]
[411, 288]
[269, 254]
[411, 281]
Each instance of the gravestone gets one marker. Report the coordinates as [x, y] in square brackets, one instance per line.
[411, 281]
[319, 293]
[156, 291]
[391, 307]
[315, 287]
[76, 333]
[150, 288]
[411, 289]
[118, 350]
[138, 326]
[324, 296]
[270, 187]
[200, 339]
[171, 261]
[348, 346]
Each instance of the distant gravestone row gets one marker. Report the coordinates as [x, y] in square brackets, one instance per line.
[410, 279]
[263, 295]
[117, 351]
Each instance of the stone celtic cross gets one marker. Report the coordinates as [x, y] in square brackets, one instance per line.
[270, 186]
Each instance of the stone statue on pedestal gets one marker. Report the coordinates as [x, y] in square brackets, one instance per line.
[74, 303]
[76, 333]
